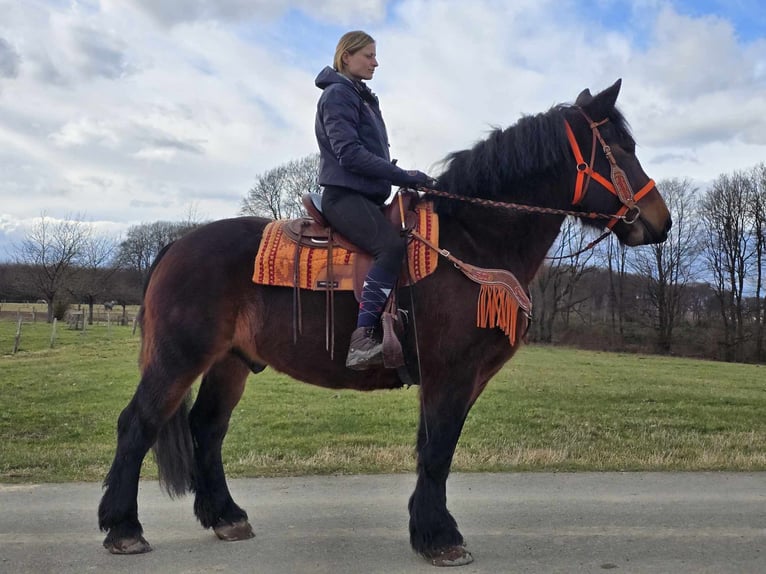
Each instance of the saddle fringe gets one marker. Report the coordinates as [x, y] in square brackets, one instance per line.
[500, 294]
[497, 307]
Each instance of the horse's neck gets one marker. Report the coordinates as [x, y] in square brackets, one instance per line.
[493, 237]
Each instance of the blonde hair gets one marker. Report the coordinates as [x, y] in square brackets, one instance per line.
[350, 42]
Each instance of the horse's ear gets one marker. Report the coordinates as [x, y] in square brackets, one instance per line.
[603, 103]
[584, 98]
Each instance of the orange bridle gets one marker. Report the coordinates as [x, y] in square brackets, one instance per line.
[619, 184]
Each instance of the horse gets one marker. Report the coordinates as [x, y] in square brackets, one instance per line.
[502, 205]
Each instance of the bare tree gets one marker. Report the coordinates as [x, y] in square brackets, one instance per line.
[759, 229]
[554, 290]
[96, 271]
[51, 252]
[729, 251]
[303, 177]
[265, 198]
[145, 241]
[277, 192]
[667, 268]
[615, 257]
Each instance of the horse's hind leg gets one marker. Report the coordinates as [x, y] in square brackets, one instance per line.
[220, 391]
[155, 401]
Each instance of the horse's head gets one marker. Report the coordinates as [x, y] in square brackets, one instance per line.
[609, 177]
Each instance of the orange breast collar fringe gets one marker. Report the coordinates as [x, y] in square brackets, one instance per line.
[275, 261]
[501, 296]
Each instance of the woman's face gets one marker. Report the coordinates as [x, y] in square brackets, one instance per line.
[362, 63]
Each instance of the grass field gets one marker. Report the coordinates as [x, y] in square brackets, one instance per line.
[550, 409]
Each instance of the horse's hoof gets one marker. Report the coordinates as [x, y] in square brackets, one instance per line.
[128, 546]
[452, 556]
[232, 532]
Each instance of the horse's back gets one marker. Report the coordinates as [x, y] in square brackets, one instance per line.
[202, 253]
[225, 238]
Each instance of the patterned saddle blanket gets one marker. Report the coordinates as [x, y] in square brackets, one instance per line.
[288, 258]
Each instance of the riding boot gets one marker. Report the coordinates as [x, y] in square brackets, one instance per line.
[366, 347]
[365, 350]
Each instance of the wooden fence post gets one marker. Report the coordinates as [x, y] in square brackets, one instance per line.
[18, 337]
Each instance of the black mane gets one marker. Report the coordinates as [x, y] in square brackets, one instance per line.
[509, 163]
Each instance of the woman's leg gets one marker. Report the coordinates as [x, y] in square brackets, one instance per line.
[362, 222]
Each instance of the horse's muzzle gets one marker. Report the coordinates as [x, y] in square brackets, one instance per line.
[654, 235]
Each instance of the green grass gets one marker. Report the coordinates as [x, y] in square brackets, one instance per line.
[550, 409]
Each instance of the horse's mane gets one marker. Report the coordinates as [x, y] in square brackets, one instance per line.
[510, 162]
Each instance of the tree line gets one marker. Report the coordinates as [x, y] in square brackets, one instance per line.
[700, 293]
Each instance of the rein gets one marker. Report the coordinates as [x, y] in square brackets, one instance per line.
[427, 191]
[620, 215]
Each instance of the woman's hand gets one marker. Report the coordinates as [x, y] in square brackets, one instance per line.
[422, 180]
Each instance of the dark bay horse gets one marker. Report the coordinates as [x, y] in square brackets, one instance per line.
[202, 315]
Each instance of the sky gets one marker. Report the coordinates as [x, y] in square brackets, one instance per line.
[121, 112]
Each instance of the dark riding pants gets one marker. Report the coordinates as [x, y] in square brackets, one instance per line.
[361, 221]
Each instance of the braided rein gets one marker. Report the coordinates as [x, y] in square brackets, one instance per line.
[520, 206]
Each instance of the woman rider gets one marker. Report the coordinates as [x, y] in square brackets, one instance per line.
[356, 173]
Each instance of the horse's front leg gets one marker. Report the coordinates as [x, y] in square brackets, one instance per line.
[433, 531]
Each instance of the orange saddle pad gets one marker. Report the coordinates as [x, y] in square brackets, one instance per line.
[275, 261]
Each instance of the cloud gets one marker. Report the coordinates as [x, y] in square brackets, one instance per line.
[674, 158]
[86, 131]
[166, 149]
[9, 60]
[98, 53]
[173, 12]
[697, 56]
[177, 145]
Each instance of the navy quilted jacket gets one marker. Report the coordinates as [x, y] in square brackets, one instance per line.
[352, 138]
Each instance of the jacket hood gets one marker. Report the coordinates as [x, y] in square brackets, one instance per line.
[329, 76]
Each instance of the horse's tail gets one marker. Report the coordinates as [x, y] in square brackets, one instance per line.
[174, 452]
[174, 449]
